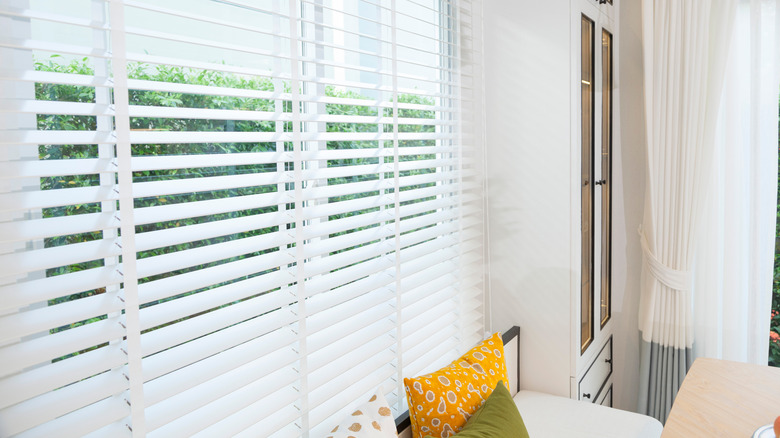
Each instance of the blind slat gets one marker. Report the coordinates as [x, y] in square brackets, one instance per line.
[245, 423]
[53, 107]
[68, 49]
[23, 355]
[47, 407]
[83, 421]
[184, 210]
[229, 395]
[178, 260]
[27, 169]
[45, 318]
[187, 354]
[24, 386]
[176, 334]
[211, 299]
[22, 294]
[54, 18]
[167, 287]
[202, 370]
[59, 256]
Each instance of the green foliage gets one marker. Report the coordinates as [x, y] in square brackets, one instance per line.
[179, 75]
[774, 334]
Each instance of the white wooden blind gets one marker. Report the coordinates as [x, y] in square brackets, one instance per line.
[233, 217]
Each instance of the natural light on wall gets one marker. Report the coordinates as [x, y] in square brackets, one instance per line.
[233, 217]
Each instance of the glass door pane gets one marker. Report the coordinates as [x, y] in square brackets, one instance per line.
[606, 177]
[586, 301]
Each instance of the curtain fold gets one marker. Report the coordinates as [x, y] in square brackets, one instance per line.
[685, 48]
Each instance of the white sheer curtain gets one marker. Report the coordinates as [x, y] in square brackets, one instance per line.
[685, 47]
[734, 263]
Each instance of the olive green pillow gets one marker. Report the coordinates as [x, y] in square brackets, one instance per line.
[497, 418]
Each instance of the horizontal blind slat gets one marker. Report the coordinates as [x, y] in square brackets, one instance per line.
[245, 423]
[45, 168]
[40, 380]
[378, 351]
[343, 311]
[55, 107]
[278, 342]
[381, 281]
[165, 137]
[203, 301]
[20, 137]
[319, 356]
[208, 230]
[22, 294]
[41, 259]
[17, 325]
[197, 65]
[54, 18]
[53, 47]
[215, 343]
[206, 184]
[226, 397]
[21, 201]
[38, 350]
[187, 258]
[205, 90]
[49, 406]
[167, 287]
[82, 422]
[181, 332]
[202, 42]
[375, 272]
[184, 210]
[47, 77]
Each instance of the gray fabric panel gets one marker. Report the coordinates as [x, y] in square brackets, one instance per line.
[661, 372]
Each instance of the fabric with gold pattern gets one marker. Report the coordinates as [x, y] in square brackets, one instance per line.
[372, 419]
[441, 403]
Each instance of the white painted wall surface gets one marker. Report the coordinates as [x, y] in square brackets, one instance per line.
[528, 142]
[527, 98]
[628, 203]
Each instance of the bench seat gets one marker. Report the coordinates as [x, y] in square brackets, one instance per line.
[549, 416]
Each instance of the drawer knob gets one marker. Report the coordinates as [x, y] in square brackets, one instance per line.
[609, 361]
[586, 395]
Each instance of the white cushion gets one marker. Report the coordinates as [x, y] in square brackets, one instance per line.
[372, 419]
[549, 416]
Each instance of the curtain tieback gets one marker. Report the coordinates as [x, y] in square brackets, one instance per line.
[672, 278]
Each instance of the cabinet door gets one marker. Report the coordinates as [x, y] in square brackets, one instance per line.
[594, 81]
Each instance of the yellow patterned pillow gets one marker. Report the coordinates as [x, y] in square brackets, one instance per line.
[440, 403]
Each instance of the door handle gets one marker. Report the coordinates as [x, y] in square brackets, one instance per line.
[600, 182]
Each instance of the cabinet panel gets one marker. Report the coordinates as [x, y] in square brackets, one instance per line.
[605, 399]
[595, 378]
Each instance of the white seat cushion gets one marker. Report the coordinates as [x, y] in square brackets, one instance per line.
[550, 416]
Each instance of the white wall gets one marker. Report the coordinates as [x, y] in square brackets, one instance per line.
[628, 203]
[527, 98]
[528, 142]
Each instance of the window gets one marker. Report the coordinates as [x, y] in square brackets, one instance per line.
[232, 217]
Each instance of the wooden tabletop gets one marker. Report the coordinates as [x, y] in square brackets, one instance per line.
[720, 398]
